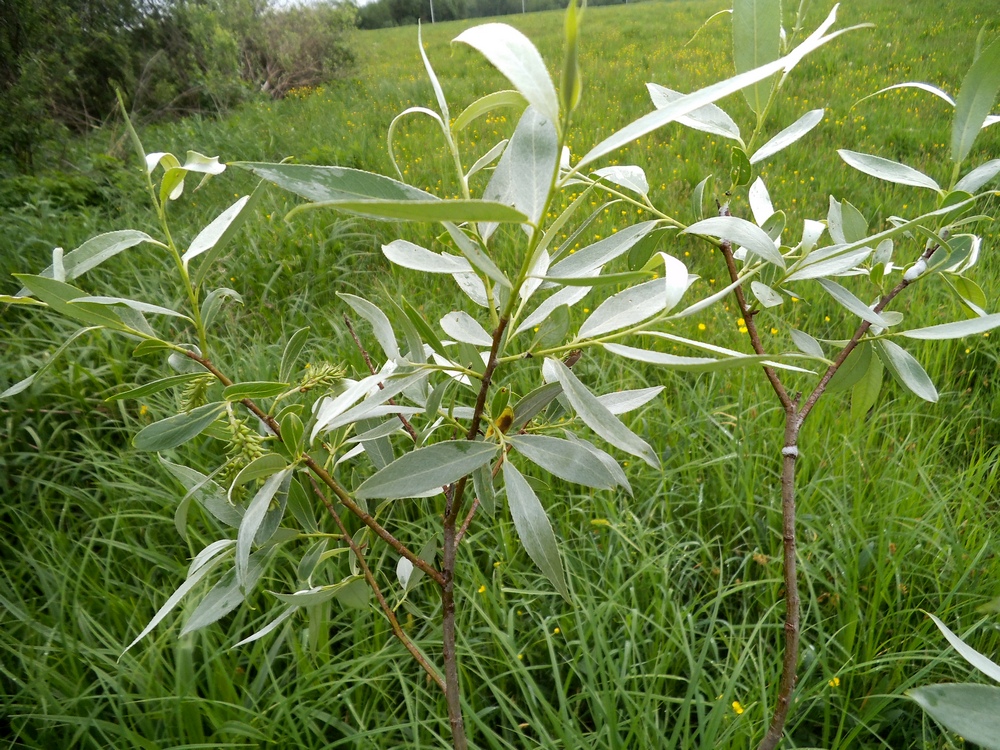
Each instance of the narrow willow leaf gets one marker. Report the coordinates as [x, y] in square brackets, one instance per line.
[337, 412]
[888, 170]
[320, 594]
[969, 710]
[708, 119]
[516, 58]
[155, 386]
[95, 251]
[866, 390]
[143, 307]
[292, 431]
[970, 292]
[911, 85]
[414, 257]
[533, 527]
[9, 299]
[606, 459]
[260, 468]
[381, 326]
[322, 184]
[760, 202]
[482, 482]
[756, 41]
[390, 136]
[788, 136]
[290, 355]
[532, 404]
[213, 303]
[906, 370]
[597, 416]
[58, 295]
[621, 402]
[979, 176]
[817, 265]
[698, 197]
[807, 344]
[438, 92]
[426, 469]
[252, 521]
[852, 304]
[206, 492]
[956, 330]
[852, 369]
[765, 294]
[984, 664]
[741, 232]
[974, 101]
[476, 256]
[422, 211]
[523, 176]
[225, 596]
[564, 459]
[178, 429]
[487, 104]
[183, 590]
[588, 259]
[211, 254]
[49, 361]
[209, 236]
[688, 364]
[269, 628]
[485, 160]
[629, 177]
[463, 327]
[855, 225]
[565, 297]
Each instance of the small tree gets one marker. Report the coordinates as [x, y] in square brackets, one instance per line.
[437, 416]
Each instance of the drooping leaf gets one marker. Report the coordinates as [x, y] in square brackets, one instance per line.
[206, 492]
[178, 429]
[277, 622]
[969, 710]
[427, 468]
[888, 170]
[906, 370]
[346, 590]
[852, 304]
[974, 101]
[482, 482]
[565, 297]
[740, 232]
[138, 306]
[756, 41]
[958, 329]
[513, 54]
[225, 596]
[532, 404]
[213, 303]
[49, 361]
[252, 522]
[58, 296]
[597, 416]
[381, 326]
[564, 459]
[487, 104]
[533, 527]
[708, 119]
[788, 136]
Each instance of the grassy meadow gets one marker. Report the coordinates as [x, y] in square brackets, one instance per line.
[674, 638]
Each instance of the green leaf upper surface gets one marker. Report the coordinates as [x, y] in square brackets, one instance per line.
[178, 429]
[533, 527]
[425, 469]
[975, 99]
[969, 710]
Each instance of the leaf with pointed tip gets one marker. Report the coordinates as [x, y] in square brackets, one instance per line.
[983, 663]
[974, 101]
[463, 327]
[414, 257]
[765, 294]
[428, 468]
[807, 343]
[687, 364]
[269, 628]
[323, 184]
[49, 361]
[588, 259]
[486, 159]
[381, 326]
[252, 522]
[958, 329]
[143, 307]
[708, 119]
[565, 297]
[740, 232]
[210, 236]
[348, 588]
[979, 176]
[533, 527]
[888, 170]
[911, 85]
[95, 251]
[906, 370]
[756, 41]
[852, 304]
[487, 104]
[597, 416]
[564, 459]
[516, 58]
[178, 429]
[621, 402]
[476, 256]
[788, 136]
[225, 596]
[629, 177]
[821, 263]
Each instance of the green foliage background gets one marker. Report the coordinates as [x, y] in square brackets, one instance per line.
[672, 643]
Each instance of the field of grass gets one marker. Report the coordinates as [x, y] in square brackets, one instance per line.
[673, 640]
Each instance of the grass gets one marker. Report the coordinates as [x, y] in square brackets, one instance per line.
[672, 642]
